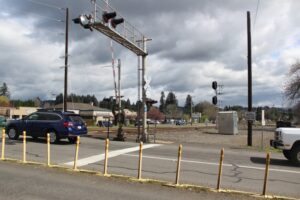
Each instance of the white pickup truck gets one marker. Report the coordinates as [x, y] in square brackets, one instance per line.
[288, 139]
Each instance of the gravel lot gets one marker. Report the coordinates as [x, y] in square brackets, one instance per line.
[199, 134]
[210, 136]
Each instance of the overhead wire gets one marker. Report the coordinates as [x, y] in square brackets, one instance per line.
[45, 4]
[256, 13]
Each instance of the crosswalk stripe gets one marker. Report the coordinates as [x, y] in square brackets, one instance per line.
[111, 154]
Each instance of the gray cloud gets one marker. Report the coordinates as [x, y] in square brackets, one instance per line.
[194, 43]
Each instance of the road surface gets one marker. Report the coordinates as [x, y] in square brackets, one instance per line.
[27, 182]
[243, 168]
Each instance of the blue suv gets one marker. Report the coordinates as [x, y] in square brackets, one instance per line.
[59, 124]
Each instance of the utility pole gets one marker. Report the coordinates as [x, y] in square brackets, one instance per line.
[191, 111]
[65, 108]
[120, 134]
[144, 97]
[139, 100]
[249, 141]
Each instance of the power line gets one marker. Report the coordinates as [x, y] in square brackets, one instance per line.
[45, 4]
[257, 6]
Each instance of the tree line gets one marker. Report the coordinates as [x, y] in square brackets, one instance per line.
[168, 104]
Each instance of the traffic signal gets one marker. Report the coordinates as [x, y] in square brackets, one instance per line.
[214, 85]
[110, 17]
[107, 16]
[115, 22]
[149, 103]
[215, 100]
[84, 21]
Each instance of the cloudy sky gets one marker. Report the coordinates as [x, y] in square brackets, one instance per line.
[194, 42]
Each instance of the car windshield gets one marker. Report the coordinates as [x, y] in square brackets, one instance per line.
[76, 119]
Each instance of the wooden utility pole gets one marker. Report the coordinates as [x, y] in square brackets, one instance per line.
[66, 61]
[249, 141]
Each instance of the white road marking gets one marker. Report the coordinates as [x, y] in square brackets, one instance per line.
[111, 154]
[217, 164]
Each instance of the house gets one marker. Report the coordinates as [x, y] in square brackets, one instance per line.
[87, 111]
[17, 113]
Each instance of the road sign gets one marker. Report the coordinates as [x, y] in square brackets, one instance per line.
[250, 116]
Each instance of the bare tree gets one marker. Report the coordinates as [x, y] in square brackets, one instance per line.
[292, 88]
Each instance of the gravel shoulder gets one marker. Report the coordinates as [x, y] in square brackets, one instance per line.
[198, 134]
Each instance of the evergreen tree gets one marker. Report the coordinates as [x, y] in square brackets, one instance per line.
[188, 105]
[4, 91]
[162, 107]
[171, 99]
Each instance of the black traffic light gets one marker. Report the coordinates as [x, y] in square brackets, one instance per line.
[149, 103]
[106, 16]
[214, 85]
[215, 100]
[115, 22]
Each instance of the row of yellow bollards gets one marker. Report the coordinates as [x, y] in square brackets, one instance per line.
[105, 170]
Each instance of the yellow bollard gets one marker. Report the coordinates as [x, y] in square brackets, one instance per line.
[48, 149]
[3, 145]
[220, 168]
[24, 146]
[106, 156]
[266, 173]
[140, 161]
[76, 153]
[178, 164]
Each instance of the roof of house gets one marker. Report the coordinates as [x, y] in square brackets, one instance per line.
[81, 106]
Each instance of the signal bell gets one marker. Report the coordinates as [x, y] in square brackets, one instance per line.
[84, 21]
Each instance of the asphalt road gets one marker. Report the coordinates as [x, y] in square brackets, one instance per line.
[33, 182]
[243, 168]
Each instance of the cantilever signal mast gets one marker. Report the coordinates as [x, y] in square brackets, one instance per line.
[114, 26]
[112, 57]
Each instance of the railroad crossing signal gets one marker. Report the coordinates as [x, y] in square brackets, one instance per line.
[215, 87]
[110, 17]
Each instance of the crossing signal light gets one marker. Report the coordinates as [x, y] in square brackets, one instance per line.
[107, 16]
[215, 100]
[115, 22]
[214, 85]
[110, 17]
[149, 103]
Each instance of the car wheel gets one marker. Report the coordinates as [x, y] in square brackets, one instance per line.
[287, 154]
[72, 140]
[13, 133]
[53, 137]
[295, 155]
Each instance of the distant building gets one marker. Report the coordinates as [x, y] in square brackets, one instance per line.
[17, 113]
[87, 111]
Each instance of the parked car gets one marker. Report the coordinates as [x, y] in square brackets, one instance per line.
[180, 122]
[105, 123]
[59, 124]
[2, 121]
